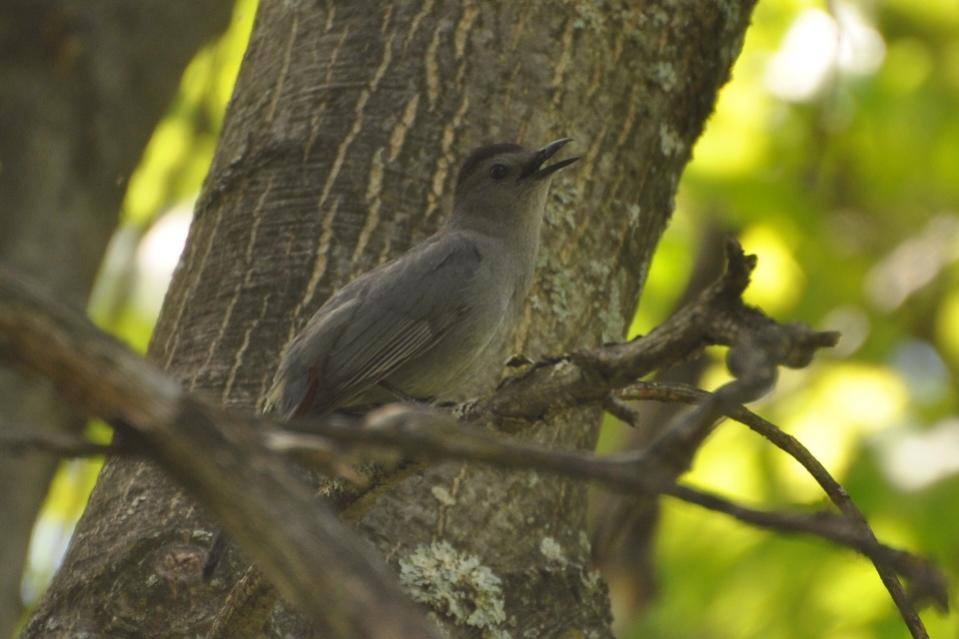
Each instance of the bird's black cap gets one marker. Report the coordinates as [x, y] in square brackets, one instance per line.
[481, 154]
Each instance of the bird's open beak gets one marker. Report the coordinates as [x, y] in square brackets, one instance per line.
[534, 168]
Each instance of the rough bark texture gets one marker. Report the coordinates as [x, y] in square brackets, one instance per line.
[339, 150]
[82, 90]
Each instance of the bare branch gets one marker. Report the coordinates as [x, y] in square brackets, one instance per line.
[314, 559]
[717, 316]
[429, 435]
[432, 435]
[425, 434]
[622, 411]
[245, 481]
[444, 442]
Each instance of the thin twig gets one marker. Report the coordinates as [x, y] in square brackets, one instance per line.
[790, 445]
[925, 580]
[622, 411]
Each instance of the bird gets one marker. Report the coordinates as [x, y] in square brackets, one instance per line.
[424, 325]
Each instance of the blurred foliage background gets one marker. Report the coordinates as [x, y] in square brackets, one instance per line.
[834, 155]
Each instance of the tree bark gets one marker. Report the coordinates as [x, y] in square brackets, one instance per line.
[339, 150]
[81, 95]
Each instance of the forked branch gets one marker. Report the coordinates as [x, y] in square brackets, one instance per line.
[247, 481]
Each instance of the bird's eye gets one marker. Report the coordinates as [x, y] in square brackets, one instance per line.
[498, 171]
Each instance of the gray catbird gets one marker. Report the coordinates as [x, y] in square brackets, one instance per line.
[422, 325]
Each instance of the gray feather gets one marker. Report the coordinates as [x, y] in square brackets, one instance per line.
[375, 325]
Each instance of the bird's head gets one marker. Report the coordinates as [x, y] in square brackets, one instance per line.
[505, 185]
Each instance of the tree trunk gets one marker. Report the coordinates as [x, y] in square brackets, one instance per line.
[82, 92]
[339, 150]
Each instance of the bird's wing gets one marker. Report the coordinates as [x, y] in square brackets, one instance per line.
[376, 324]
[295, 384]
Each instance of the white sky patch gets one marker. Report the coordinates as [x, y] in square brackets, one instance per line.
[923, 370]
[853, 326]
[157, 256]
[819, 43]
[914, 459]
[48, 546]
[914, 263]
